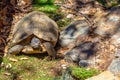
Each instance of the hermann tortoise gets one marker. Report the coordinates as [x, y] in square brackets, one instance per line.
[35, 33]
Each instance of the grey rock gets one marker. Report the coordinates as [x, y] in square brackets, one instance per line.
[115, 66]
[74, 30]
[109, 23]
[67, 75]
[83, 63]
[81, 52]
[86, 63]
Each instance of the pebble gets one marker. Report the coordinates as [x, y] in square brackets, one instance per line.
[70, 16]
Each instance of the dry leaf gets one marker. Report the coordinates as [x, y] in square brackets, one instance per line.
[7, 74]
[24, 58]
[13, 60]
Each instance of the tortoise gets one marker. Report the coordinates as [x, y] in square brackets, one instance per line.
[34, 33]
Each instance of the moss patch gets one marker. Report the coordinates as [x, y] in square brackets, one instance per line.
[83, 73]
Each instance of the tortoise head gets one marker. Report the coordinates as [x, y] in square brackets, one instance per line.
[35, 43]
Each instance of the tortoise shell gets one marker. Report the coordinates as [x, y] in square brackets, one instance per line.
[37, 24]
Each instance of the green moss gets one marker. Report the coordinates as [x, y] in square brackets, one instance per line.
[83, 73]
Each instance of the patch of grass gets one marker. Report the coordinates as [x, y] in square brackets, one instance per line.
[32, 68]
[45, 8]
[42, 2]
[83, 73]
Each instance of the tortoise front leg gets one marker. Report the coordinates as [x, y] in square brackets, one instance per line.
[15, 49]
[50, 49]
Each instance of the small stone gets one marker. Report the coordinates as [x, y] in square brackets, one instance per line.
[83, 63]
[70, 16]
[64, 66]
[106, 75]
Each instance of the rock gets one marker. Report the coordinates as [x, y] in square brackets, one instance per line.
[115, 66]
[106, 75]
[109, 23]
[67, 75]
[69, 34]
[83, 63]
[70, 16]
[81, 52]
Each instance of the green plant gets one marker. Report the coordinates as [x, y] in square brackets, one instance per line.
[45, 8]
[51, 2]
[83, 73]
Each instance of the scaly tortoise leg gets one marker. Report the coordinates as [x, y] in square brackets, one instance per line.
[15, 49]
[50, 49]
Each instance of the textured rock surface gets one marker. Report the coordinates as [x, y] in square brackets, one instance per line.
[106, 75]
[115, 66]
[69, 35]
[109, 23]
[106, 41]
[81, 52]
